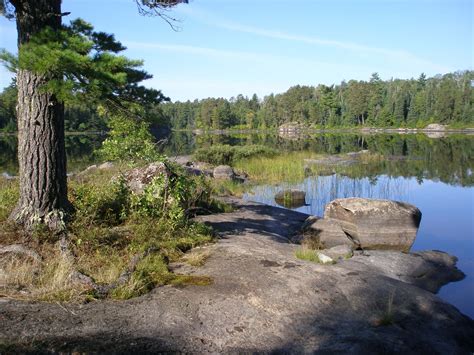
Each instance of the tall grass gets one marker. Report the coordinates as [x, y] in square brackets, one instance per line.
[287, 167]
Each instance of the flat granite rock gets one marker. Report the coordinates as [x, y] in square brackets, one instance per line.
[262, 300]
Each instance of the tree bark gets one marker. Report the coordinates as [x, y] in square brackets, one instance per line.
[41, 148]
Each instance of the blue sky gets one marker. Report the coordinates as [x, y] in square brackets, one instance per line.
[228, 47]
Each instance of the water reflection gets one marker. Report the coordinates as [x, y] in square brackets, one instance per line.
[449, 159]
[79, 149]
[320, 190]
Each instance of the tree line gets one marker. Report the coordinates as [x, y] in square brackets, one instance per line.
[446, 99]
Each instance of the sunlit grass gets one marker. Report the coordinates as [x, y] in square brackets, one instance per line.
[288, 167]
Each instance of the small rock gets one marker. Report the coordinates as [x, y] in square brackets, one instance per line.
[291, 198]
[376, 224]
[223, 172]
[324, 259]
[339, 252]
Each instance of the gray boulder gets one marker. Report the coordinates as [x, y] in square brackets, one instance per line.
[376, 224]
[138, 178]
[291, 198]
[106, 166]
[223, 172]
[320, 233]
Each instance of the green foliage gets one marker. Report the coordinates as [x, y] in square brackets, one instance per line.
[163, 198]
[129, 140]
[310, 255]
[307, 254]
[394, 103]
[80, 65]
[9, 194]
[8, 108]
[84, 66]
[226, 154]
[104, 204]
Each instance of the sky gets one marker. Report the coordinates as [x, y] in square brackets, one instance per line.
[228, 47]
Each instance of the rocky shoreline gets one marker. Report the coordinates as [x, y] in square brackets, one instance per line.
[262, 299]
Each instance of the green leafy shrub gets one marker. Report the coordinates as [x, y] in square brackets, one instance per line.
[129, 141]
[9, 194]
[102, 204]
[226, 154]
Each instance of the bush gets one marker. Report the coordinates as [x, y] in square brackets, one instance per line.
[101, 204]
[226, 154]
[129, 141]
[9, 194]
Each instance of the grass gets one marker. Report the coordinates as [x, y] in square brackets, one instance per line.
[288, 167]
[388, 315]
[108, 229]
[196, 257]
[226, 154]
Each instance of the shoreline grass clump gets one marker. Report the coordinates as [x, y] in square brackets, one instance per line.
[228, 155]
[287, 167]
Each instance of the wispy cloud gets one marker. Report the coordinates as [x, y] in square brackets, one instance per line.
[232, 55]
[196, 50]
[397, 54]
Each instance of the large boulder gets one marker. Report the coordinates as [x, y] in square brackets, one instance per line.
[435, 127]
[291, 198]
[223, 172]
[376, 224]
[435, 130]
[320, 233]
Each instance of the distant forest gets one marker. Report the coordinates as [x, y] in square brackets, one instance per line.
[446, 99]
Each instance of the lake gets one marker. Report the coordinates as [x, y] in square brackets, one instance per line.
[434, 174]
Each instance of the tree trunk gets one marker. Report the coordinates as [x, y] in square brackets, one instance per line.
[41, 148]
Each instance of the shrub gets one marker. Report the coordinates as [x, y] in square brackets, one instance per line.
[107, 204]
[9, 194]
[129, 141]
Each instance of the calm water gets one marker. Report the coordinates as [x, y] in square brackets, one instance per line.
[436, 175]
